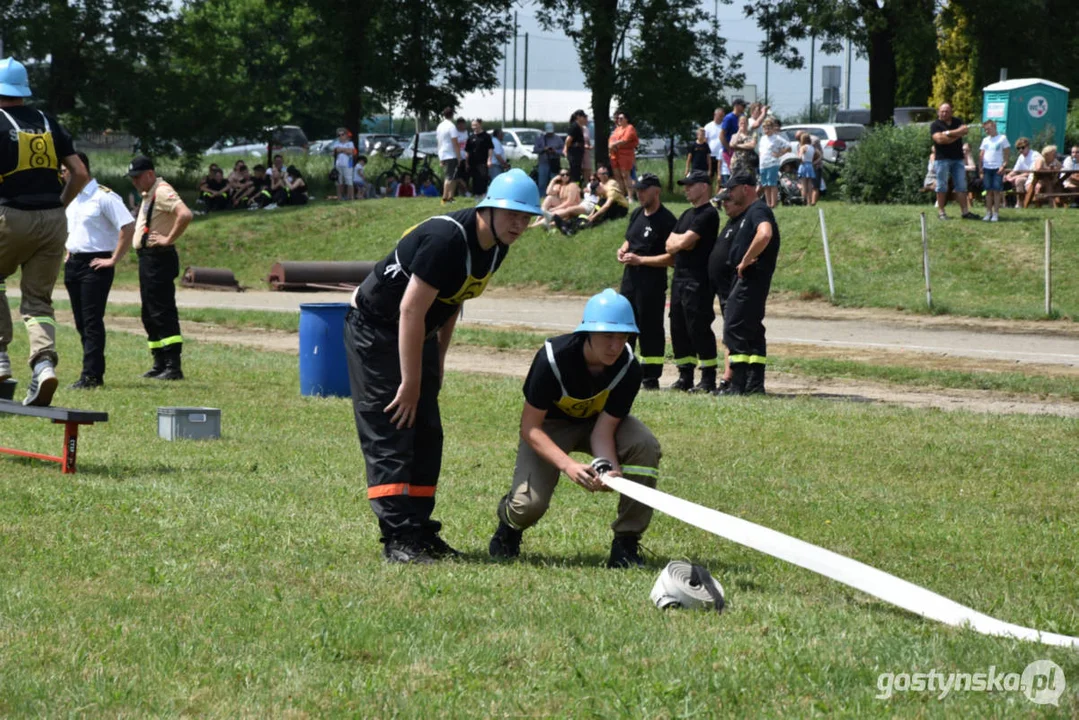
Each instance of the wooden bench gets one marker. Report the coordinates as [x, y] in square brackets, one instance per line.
[70, 419]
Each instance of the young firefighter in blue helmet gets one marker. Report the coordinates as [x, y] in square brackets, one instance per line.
[578, 395]
[396, 337]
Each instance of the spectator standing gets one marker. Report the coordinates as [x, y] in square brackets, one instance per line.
[99, 232]
[479, 148]
[575, 144]
[644, 279]
[993, 157]
[948, 133]
[712, 135]
[699, 156]
[161, 220]
[344, 153]
[586, 163]
[691, 312]
[33, 224]
[757, 112]
[497, 164]
[743, 147]
[359, 176]
[806, 171]
[462, 156]
[771, 147]
[1020, 176]
[729, 129]
[744, 261]
[448, 153]
[622, 148]
[548, 151]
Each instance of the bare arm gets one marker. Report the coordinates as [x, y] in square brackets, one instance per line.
[760, 242]
[180, 222]
[76, 181]
[532, 433]
[415, 303]
[602, 441]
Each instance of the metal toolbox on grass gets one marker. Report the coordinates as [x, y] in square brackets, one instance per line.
[189, 423]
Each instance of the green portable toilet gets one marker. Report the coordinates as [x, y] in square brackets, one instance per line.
[1027, 107]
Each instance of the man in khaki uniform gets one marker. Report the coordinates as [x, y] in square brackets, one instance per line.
[162, 218]
[33, 226]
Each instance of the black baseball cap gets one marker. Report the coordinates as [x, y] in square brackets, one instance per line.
[739, 101]
[694, 177]
[742, 177]
[139, 165]
[648, 180]
[723, 196]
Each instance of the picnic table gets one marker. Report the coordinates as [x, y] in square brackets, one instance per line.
[1053, 189]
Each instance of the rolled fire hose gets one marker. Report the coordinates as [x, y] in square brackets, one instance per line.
[684, 585]
[832, 565]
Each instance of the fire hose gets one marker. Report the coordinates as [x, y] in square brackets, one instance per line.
[840, 568]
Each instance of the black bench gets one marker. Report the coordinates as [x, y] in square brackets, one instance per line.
[70, 419]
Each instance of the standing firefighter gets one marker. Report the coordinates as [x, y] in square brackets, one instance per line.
[162, 218]
[578, 395]
[397, 335]
[692, 312]
[33, 226]
[748, 266]
[644, 280]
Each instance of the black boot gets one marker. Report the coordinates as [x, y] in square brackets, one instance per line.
[173, 368]
[755, 379]
[505, 543]
[685, 379]
[438, 548]
[737, 384]
[406, 549]
[707, 383]
[650, 384]
[625, 552]
[159, 364]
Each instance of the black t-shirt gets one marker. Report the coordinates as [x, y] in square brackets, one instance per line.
[216, 185]
[437, 252]
[698, 156]
[949, 151]
[647, 234]
[704, 221]
[261, 183]
[744, 230]
[543, 390]
[477, 147]
[37, 186]
[576, 134]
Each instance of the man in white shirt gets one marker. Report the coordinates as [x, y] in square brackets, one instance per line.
[712, 133]
[1020, 175]
[99, 232]
[1071, 164]
[449, 153]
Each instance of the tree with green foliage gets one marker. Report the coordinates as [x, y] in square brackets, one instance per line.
[887, 32]
[674, 96]
[955, 79]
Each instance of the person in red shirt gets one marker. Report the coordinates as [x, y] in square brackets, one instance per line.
[405, 188]
[622, 149]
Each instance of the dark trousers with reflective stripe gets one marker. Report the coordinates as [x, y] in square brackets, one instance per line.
[402, 465]
[646, 289]
[89, 292]
[158, 270]
[743, 318]
[692, 314]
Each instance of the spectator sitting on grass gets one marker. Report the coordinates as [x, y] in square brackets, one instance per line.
[390, 189]
[561, 193]
[615, 204]
[261, 195]
[297, 186]
[566, 218]
[405, 188]
[214, 190]
[428, 189]
[699, 156]
[239, 182]
[242, 196]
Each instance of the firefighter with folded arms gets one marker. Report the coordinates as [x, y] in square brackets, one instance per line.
[33, 224]
[396, 338]
[578, 396]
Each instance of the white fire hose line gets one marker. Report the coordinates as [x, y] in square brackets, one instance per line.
[850, 572]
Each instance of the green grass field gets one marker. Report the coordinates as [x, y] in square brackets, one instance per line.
[240, 578]
[977, 268]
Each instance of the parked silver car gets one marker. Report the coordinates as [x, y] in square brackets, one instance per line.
[287, 139]
[835, 139]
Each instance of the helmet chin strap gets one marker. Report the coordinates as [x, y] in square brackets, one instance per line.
[491, 222]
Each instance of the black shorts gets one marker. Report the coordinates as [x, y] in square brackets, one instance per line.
[449, 168]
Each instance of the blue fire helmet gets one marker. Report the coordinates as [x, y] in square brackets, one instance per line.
[608, 312]
[13, 80]
[513, 190]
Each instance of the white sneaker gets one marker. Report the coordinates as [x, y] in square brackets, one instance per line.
[42, 387]
[994, 218]
[271, 206]
[5, 366]
[987, 217]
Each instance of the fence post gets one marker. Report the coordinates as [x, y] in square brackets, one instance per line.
[925, 263]
[827, 254]
[1048, 267]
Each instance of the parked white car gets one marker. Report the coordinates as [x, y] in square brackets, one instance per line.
[518, 142]
[835, 139]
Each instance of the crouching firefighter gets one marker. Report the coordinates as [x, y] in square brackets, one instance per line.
[396, 337]
[578, 395]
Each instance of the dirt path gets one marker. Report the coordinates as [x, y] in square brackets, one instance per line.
[514, 363]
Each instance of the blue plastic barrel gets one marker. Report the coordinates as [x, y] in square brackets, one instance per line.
[323, 367]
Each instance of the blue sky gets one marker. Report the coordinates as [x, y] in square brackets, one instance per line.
[553, 61]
